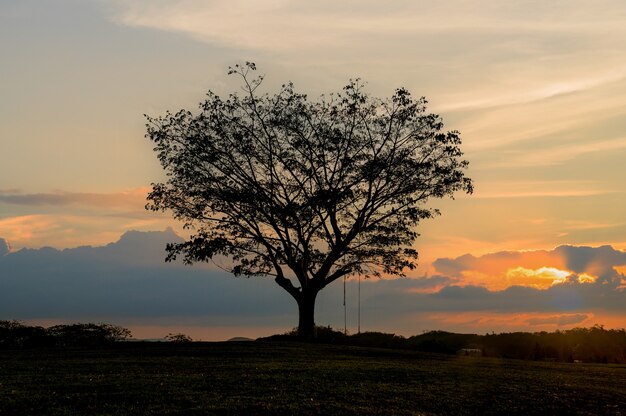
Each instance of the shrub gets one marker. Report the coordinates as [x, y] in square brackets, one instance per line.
[178, 338]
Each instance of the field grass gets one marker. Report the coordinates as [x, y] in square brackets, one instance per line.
[250, 378]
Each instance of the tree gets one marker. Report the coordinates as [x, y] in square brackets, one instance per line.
[306, 192]
[178, 338]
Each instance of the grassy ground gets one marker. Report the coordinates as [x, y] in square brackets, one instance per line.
[279, 378]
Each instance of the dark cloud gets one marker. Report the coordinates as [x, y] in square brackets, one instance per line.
[454, 267]
[37, 199]
[15, 197]
[598, 260]
[128, 278]
[566, 297]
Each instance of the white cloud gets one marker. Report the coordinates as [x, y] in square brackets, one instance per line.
[284, 24]
[544, 188]
[541, 92]
[561, 153]
[468, 55]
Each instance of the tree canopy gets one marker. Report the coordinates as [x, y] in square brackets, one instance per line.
[304, 191]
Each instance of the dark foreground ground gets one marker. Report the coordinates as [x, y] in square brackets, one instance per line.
[282, 378]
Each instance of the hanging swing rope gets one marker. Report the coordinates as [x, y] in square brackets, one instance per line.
[345, 308]
[345, 311]
[359, 306]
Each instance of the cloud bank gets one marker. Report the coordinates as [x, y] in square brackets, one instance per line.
[127, 282]
[128, 278]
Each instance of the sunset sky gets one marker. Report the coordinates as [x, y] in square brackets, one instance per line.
[537, 90]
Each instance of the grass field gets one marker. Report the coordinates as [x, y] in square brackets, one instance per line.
[287, 378]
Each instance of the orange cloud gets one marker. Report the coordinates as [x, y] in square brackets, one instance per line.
[539, 278]
[622, 272]
[65, 231]
[23, 228]
[509, 322]
[68, 219]
[540, 269]
[620, 269]
[478, 322]
[586, 278]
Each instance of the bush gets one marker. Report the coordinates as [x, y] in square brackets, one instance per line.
[88, 334]
[178, 338]
[14, 334]
[324, 334]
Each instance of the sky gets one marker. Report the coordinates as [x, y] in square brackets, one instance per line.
[537, 90]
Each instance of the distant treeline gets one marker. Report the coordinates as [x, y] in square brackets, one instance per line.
[14, 334]
[588, 345]
[595, 344]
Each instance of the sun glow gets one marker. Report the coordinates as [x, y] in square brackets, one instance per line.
[586, 278]
[545, 277]
[542, 277]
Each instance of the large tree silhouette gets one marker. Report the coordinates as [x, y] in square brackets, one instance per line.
[304, 191]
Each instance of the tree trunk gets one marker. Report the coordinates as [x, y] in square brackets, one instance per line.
[306, 309]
